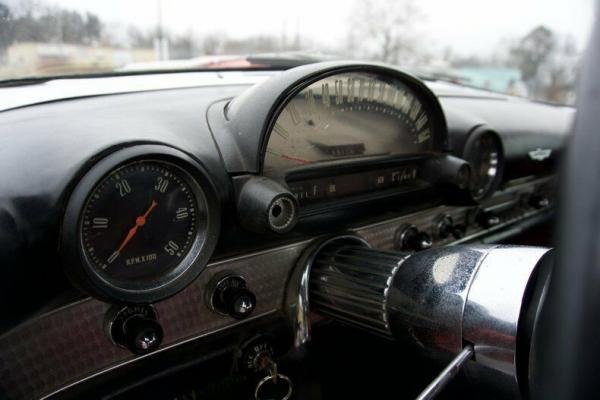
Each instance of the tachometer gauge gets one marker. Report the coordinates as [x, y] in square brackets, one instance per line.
[143, 228]
[141, 221]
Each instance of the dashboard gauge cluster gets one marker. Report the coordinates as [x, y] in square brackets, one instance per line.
[484, 152]
[140, 225]
[339, 132]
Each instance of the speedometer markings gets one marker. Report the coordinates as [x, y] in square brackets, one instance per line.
[325, 95]
[371, 91]
[361, 89]
[415, 109]
[382, 89]
[293, 113]
[281, 131]
[424, 136]
[309, 97]
[350, 90]
[391, 97]
[339, 91]
[421, 121]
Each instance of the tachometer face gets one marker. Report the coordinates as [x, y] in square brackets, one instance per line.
[141, 222]
[348, 115]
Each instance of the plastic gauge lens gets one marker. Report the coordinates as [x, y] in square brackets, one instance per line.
[484, 153]
[348, 116]
[141, 223]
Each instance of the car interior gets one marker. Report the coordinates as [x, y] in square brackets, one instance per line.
[296, 227]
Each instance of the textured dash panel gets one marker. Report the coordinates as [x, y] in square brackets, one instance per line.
[69, 344]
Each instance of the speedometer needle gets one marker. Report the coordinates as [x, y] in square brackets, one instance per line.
[139, 222]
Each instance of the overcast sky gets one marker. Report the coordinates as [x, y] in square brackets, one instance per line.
[468, 26]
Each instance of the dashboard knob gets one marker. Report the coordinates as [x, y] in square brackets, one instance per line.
[142, 335]
[135, 328]
[240, 302]
[231, 297]
[458, 231]
[487, 219]
[409, 238]
[444, 226]
[539, 201]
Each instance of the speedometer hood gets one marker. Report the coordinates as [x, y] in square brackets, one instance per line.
[249, 117]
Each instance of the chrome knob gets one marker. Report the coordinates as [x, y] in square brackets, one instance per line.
[230, 296]
[539, 201]
[487, 219]
[409, 238]
[443, 226]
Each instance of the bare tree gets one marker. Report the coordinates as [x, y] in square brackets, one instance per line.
[6, 30]
[548, 64]
[212, 43]
[385, 30]
[532, 51]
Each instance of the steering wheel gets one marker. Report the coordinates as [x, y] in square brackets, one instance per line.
[567, 344]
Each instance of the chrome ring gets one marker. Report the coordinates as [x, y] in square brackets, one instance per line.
[270, 378]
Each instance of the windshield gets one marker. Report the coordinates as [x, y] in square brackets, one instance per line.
[526, 48]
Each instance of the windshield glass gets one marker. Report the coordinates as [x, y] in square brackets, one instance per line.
[527, 48]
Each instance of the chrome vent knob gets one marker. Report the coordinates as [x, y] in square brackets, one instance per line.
[350, 283]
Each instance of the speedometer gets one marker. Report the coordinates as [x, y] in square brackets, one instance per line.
[346, 116]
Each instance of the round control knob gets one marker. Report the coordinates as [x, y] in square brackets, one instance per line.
[240, 302]
[135, 328]
[231, 297]
[458, 231]
[539, 201]
[487, 219]
[444, 225]
[409, 238]
[141, 334]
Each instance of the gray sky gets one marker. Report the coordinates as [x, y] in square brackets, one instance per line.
[468, 26]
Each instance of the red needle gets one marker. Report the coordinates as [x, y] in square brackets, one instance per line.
[297, 159]
[139, 222]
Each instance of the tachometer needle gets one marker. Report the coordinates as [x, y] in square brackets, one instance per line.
[139, 222]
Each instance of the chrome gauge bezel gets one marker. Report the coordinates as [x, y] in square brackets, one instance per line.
[83, 273]
[493, 183]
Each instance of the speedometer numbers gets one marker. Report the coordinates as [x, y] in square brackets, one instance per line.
[348, 115]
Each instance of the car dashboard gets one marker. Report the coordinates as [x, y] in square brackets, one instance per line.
[168, 225]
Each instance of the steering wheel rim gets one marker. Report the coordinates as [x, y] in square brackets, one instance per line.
[567, 343]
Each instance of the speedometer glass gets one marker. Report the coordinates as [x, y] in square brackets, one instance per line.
[348, 116]
[141, 221]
